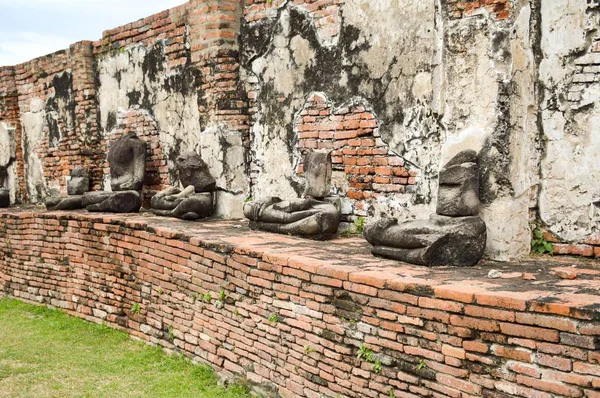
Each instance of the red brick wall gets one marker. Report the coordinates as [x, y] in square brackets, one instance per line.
[465, 8]
[445, 340]
[351, 133]
[214, 29]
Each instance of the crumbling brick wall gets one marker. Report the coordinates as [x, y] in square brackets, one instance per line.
[230, 77]
[296, 323]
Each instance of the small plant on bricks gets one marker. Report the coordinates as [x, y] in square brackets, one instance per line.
[540, 245]
[364, 353]
[377, 366]
[207, 297]
[359, 225]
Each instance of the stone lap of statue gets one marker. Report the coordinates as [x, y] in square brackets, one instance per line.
[76, 187]
[196, 200]
[310, 217]
[453, 236]
[127, 161]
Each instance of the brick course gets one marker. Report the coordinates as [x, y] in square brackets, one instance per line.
[432, 334]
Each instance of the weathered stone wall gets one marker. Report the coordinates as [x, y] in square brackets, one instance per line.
[295, 322]
[393, 88]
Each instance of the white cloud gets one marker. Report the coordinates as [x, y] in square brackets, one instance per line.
[16, 47]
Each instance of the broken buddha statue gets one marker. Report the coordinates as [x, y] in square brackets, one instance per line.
[78, 184]
[315, 217]
[455, 235]
[127, 162]
[196, 200]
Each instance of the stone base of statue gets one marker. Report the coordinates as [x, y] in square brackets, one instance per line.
[308, 218]
[113, 202]
[73, 202]
[192, 207]
[4, 198]
[441, 240]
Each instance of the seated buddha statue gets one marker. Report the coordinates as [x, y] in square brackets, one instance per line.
[78, 184]
[127, 162]
[193, 202]
[455, 235]
[315, 216]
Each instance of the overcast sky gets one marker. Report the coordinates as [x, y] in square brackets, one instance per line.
[32, 28]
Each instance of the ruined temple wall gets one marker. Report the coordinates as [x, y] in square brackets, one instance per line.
[402, 88]
[392, 88]
[172, 78]
[569, 192]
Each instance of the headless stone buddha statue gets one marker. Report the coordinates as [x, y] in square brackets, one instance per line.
[127, 161]
[455, 235]
[76, 187]
[315, 217]
[4, 192]
[193, 202]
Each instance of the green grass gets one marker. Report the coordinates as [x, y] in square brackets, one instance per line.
[45, 353]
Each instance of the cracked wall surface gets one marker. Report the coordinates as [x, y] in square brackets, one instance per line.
[570, 166]
[393, 88]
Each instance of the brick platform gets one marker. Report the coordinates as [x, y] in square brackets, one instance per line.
[292, 314]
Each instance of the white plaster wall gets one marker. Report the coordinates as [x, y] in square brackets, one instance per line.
[570, 165]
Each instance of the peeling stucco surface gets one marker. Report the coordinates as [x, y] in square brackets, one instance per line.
[137, 77]
[33, 123]
[570, 165]
[392, 73]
